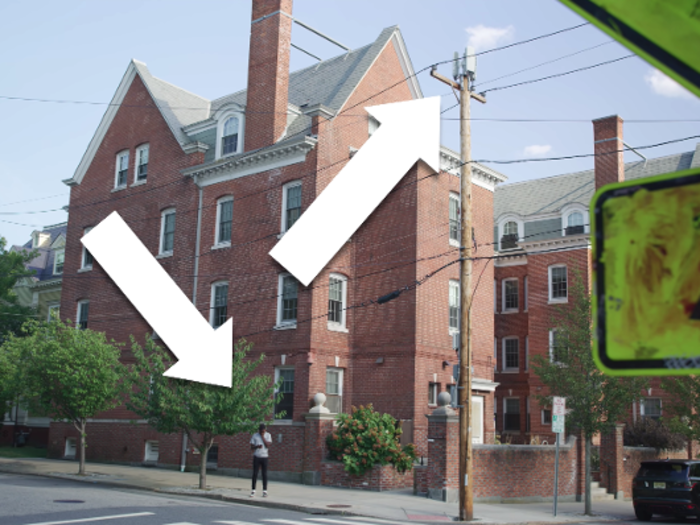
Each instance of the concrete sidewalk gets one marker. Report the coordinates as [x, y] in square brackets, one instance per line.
[401, 506]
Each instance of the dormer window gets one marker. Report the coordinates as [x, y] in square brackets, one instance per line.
[509, 240]
[122, 171]
[59, 258]
[229, 137]
[574, 223]
[141, 163]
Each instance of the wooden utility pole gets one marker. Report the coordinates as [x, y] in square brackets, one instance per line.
[464, 385]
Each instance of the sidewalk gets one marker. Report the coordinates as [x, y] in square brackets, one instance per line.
[400, 506]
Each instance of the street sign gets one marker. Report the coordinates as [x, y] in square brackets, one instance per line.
[558, 406]
[646, 252]
[558, 424]
[664, 33]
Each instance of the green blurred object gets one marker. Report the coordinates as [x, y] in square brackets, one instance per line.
[665, 33]
[22, 452]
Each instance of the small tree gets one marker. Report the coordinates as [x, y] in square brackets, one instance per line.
[70, 374]
[648, 432]
[594, 401]
[10, 383]
[366, 438]
[12, 268]
[202, 411]
[683, 407]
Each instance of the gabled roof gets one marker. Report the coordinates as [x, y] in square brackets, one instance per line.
[551, 194]
[43, 262]
[329, 83]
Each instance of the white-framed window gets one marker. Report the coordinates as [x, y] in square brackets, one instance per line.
[86, 259]
[650, 407]
[527, 352]
[224, 221]
[291, 204]
[525, 293]
[477, 420]
[218, 311]
[285, 377]
[557, 346]
[558, 284]
[337, 302]
[574, 223]
[229, 134]
[574, 219]
[59, 259]
[433, 391]
[511, 414]
[495, 296]
[287, 300]
[167, 231]
[511, 354]
[82, 315]
[141, 169]
[334, 390]
[511, 231]
[454, 306]
[546, 415]
[151, 452]
[454, 219]
[71, 448]
[121, 173]
[54, 312]
[510, 295]
[527, 413]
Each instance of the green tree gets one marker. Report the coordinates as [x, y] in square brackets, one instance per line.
[12, 269]
[69, 374]
[682, 408]
[200, 410]
[594, 401]
[10, 383]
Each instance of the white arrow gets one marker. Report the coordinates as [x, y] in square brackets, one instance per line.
[409, 131]
[204, 354]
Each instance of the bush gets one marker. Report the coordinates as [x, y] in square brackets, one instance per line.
[647, 432]
[366, 438]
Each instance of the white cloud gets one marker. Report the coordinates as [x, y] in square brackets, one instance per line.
[537, 150]
[665, 86]
[482, 37]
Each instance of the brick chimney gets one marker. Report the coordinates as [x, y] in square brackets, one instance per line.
[609, 159]
[268, 72]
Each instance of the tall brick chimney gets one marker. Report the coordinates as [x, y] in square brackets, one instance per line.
[268, 72]
[609, 159]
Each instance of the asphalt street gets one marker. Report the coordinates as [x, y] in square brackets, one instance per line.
[31, 500]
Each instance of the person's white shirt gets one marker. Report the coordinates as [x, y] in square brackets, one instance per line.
[257, 440]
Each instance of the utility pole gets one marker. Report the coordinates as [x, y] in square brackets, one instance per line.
[464, 386]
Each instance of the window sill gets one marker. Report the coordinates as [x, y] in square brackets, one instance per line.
[558, 301]
[453, 331]
[285, 326]
[86, 269]
[454, 243]
[138, 183]
[512, 311]
[118, 188]
[282, 422]
[281, 234]
[164, 255]
[335, 327]
[221, 246]
[510, 371]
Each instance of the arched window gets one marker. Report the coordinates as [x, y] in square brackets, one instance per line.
[510, 236]
[229, 136]
[574, 223]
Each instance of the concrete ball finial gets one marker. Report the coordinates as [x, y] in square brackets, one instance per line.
[444, 399]
[318, 407]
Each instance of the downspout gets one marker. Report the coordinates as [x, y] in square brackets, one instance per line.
[183, 455]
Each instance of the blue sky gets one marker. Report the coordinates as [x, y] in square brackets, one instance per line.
[78, 51]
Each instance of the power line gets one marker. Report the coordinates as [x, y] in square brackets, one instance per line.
[540, 37]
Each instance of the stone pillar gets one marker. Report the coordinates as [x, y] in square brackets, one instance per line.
[612, 460]
[443, 452]
[319, 424]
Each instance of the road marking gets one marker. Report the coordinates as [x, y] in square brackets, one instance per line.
[100, 518]
[235, 522]
[328, 520]
[286, 522]
[376, 520]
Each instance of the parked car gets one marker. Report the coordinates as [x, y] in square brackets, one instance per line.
[668, 488]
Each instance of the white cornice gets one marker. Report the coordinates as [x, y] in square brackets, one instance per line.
[569, 242]
[406, 65]
[504, 259]
[195, 147]
[484, 385]
[482, 176]
[234, 167]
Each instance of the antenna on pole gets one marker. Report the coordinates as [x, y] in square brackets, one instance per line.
[469, 63]
[455, 67]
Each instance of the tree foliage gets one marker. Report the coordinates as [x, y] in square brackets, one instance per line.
[68, 374]
[200, 410]
[594, 401]
[648, 432]
[682, 407]
[12, 269]
[366, 438]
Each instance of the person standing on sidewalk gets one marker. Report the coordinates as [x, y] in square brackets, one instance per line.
[260, 443]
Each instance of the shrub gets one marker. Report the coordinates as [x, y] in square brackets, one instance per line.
[647, 432]
[366, 438]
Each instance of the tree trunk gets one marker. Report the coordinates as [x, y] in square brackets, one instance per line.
[587, 479]
[83, 444]
[204, 451]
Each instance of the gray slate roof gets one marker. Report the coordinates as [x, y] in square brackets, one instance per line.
[42, 264]
[551, 194]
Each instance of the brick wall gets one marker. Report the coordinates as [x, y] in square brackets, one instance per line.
[380, 477]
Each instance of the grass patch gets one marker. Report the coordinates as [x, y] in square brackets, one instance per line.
[23, 452]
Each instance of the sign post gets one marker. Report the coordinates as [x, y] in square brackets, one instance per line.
[558, 416]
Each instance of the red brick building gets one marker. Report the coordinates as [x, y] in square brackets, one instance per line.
[210, 186]
[542, 226]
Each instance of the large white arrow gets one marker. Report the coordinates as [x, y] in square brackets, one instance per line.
[204, 354]
[409, 131]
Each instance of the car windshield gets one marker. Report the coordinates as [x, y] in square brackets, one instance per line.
[666, 470]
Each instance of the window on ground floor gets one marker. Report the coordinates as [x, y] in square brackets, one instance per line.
[511, 414]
